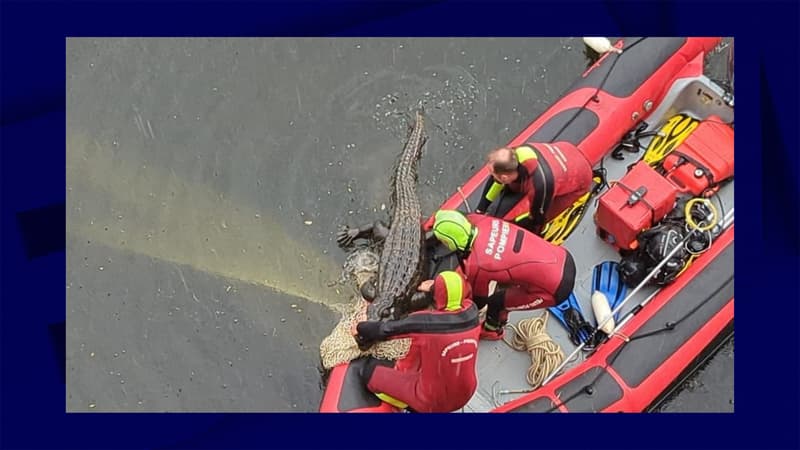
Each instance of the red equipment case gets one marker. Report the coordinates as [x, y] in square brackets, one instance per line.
[633, 204]
[703, 160]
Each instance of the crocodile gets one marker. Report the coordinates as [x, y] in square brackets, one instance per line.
[401, 244]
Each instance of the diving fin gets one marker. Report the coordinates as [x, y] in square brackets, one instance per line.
[606, 280]
[570, 315]
[560, 227]
[670, 136]
[557, 230]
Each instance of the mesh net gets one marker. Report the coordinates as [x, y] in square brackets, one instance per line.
[340, 346]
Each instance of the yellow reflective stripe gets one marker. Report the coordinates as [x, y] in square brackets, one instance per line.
[494, 191]
[391, 400]
[525, 153]
[522, 216]
[454, 284]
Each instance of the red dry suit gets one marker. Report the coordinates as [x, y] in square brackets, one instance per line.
[535, 273]
[551, 178]
[438, 373]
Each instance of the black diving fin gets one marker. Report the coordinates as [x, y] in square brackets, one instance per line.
[570, 315]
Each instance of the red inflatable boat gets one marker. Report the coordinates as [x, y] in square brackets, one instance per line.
[655, 95]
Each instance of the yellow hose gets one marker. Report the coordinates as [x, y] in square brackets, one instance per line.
[690, 220]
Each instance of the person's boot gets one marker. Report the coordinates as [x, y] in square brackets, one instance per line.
[492, 332]
[493, 328]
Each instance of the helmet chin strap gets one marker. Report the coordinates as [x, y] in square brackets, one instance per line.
[463, 254]
[472, 233]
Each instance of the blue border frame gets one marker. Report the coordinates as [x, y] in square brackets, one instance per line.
[32, 114]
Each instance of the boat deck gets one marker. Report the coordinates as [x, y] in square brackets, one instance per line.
[501, 367]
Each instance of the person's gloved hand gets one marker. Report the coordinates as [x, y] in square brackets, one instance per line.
[367, 334]
[346, 236]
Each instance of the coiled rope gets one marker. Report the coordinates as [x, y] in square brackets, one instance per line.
[546, 355]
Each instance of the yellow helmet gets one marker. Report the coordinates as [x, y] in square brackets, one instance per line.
[449, 291]
[452, 228]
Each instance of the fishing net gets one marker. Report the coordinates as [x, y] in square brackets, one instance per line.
[340, 346]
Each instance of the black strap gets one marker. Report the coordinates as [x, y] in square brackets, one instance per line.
[484, 203]
[632, 191]
[431, 323]
[683, 158]
[543, 184]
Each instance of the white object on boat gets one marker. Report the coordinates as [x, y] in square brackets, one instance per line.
[600, 45]
[492, 286]
[602, 311]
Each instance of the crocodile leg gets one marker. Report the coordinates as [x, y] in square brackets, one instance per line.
[376, 232]
[379, 231]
